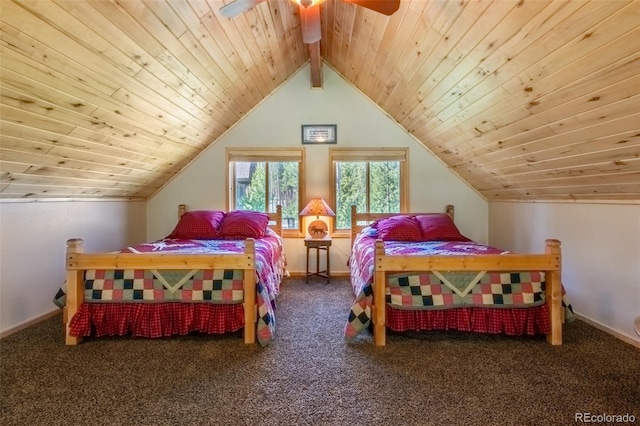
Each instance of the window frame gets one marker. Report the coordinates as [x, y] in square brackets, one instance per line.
[368, 155]
[266, 155]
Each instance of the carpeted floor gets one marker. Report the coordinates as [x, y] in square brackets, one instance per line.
[310, 376]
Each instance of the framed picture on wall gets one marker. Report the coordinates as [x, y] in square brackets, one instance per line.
[319, 133]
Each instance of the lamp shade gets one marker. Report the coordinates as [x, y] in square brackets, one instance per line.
[317, 207]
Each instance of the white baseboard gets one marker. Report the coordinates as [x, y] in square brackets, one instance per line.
[30, 322]
[599, 326]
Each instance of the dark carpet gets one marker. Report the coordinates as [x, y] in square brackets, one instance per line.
[309, 375]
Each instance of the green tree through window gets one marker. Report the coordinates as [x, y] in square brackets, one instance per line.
[261, 186]
[372, 179]
[384, 187]
[370, 186]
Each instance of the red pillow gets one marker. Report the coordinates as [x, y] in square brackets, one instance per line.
[399, 228]
[439, 227]
[241, 224]
[198, 225]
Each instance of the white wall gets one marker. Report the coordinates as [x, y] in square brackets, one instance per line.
[276, 123]
[600, 253]
[33, 239]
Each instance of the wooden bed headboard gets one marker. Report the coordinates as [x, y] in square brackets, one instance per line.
[359, 221]
[275, 219]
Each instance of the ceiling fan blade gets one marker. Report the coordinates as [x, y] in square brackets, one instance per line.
[386, 7]
[310, 19]
[237, 7]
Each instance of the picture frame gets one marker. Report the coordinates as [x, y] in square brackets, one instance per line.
[314, 134]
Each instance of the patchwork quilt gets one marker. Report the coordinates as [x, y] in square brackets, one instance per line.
[435, 290]
[222, 286]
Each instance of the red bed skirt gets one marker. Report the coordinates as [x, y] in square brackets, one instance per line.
[155, 320]
[509, 321]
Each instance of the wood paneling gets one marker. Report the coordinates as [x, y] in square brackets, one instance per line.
[525, 100]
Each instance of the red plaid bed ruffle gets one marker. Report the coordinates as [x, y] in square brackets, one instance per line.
[510, 321]
[155, 320]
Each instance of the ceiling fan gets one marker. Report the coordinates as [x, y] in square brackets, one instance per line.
[310, 12]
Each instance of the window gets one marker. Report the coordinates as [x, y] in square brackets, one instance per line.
[260, 179]
[375, 180]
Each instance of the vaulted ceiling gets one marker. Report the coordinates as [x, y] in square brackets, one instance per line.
[525, 100]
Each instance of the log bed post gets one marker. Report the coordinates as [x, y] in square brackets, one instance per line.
[554, 293]
[250, 307]
[354, 224]
[450, 210]
[379, 303]
[75, 288]
[277, 227]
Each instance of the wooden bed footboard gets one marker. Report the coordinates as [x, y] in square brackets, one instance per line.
[549, 262]
[78, 262]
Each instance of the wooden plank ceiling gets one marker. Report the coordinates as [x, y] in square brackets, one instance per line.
[525, 100]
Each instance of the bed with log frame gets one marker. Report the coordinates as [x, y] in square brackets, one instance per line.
[387, 279]
[218, 280]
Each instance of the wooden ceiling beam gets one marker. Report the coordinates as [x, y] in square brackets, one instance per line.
[316, 65]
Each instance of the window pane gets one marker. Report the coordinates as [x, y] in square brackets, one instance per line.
[250, 186]
[283, 190]
[351, 184]
[384, 187]
[380, 195]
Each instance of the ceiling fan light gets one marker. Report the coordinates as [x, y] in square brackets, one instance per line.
[307, 3]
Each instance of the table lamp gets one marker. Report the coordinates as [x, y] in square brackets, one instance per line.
[317, 207]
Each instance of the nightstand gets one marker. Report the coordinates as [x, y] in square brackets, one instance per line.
[318, 245]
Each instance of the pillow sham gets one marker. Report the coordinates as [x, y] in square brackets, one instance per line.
[241, 224]
[198, 225]
[399, 228]
[439, 227]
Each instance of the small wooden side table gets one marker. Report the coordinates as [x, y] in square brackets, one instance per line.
[318, 245]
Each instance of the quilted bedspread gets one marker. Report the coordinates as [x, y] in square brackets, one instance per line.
[195, 286]
[435, 290]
